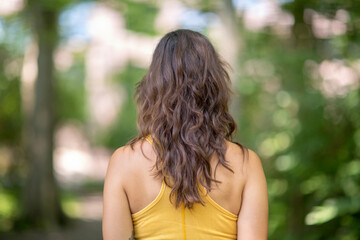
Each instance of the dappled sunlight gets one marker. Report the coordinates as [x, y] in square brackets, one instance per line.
[337, 78]
[268, 13]
[8, 209]
[281, 118]
[283, 99]
[75, 161]
[324, 27]
[8, 7]
[7, 204]
[76, 164]
[169, 15]
[350, 169]
[63, 58]
[279, 142]
[286, 162]
[72, 162]
[321, 214]
[334, 78]
[111, 48]
[277, 187]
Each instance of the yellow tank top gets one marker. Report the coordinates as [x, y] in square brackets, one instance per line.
[161, 220]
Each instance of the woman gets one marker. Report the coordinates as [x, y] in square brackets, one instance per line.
[182, 177]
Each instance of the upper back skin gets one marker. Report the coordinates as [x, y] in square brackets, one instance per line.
[141, 187]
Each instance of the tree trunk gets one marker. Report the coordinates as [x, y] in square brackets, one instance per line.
[41, 206]
[231, 24]
[301, 32]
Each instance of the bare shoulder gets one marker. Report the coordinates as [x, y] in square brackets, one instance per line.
[236, 155]
[254, 165]
[126, 161]
[121, 156]
[123, 161]
[243, 157]
[119, 163]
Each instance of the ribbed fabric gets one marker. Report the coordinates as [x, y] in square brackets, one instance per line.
[161, 220]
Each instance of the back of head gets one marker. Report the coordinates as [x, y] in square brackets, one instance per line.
[183, 104]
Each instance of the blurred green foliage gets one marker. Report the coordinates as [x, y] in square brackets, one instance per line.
[140, 16]
[10, 118]
[125, 123]
[8, 208]
[11, 50]
[71, 93]
[308, 141]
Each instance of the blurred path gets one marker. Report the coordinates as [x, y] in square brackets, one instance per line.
[87, 227]
[79, 230]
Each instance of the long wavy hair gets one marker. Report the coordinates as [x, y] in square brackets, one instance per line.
[183, 105]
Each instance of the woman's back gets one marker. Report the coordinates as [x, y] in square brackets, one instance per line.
[159, 217]
[183, 105]
[154, 215]
[142, 188]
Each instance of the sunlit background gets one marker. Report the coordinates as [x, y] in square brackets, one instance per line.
[295, 69]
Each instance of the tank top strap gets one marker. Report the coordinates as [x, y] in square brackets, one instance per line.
[149, 139]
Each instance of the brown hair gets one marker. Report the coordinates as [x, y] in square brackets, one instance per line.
[183, 104]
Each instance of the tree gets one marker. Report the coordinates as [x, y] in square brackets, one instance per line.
[41, 206]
